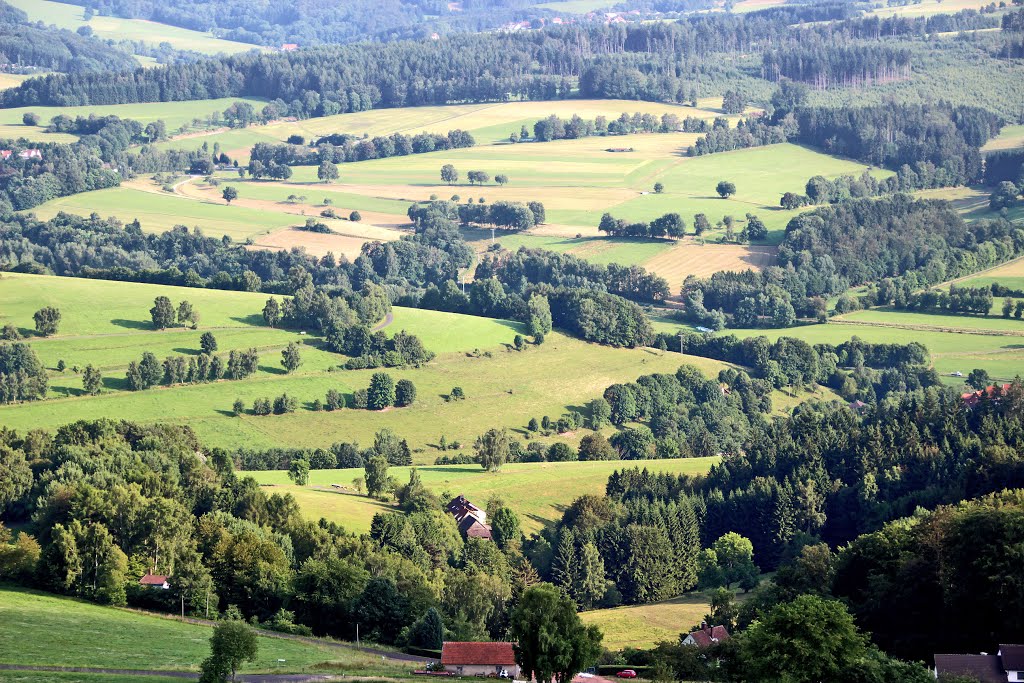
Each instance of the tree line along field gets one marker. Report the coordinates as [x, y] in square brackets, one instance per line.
[537, 492]
[104, 637]
[173, 114]
[503, 387]
[72, 17]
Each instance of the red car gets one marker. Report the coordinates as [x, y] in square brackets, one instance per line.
[626, 673]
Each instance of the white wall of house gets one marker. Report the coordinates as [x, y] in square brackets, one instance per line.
[484, 670]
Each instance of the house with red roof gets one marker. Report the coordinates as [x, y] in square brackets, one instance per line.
[155, 581]
[706, 636]
[480, 659]
[972, 398]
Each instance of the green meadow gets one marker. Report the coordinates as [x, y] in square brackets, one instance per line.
[95, 636]
[539, 492]
[174, 114]
[159, 211]
[107, 324]
[115, 28]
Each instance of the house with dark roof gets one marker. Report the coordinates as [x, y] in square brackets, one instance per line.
[706, 636]
[155, 581]
[471, 520]
[1012, 659]
[480, 659]
[1006, 666]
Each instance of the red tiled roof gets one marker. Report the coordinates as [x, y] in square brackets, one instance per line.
[153, 580]
[708, 636]
[479, 654]
[985, 668]
[972, 397]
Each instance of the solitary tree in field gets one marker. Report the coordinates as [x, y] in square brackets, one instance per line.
[91, 380]
[298, 471]
[229, 194]
[207, 342]
[492, 449]
[327, 171]
[272, 312]
[355, 216]
[47, 320]
[290, 358]
[187, 315]
[30, 118]
[658, 188]
[162, 313]
[449, 174]
[381, 393]
[376, 469]
[726, 189]
[701, 224]
[501, 179]
[232, 644]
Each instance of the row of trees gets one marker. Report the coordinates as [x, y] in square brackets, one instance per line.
[343, 147]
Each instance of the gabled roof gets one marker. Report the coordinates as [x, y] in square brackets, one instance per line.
[971, 398]
[986, 668]
[1012, 656]
[472, 528]
[478, 654]
[153, 580]
[708, 636]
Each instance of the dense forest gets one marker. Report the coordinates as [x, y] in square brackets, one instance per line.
[28, 47]
[825, 251]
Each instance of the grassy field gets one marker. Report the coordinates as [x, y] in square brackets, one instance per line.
[503, 387]
[1009, 275]
[95, 636]
[174, 114]
[159, 211]
[644, 626]
[538, 492]
[1010, 137]
[53, 677]
[114, 28]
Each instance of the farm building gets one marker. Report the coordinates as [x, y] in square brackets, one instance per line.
[706, 635]
[1005, 666]
[471, 520]
[155, 581]
[480, 659]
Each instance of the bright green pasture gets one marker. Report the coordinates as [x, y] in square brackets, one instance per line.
[64, 677]
[938, 320]
[1013, 282]
[95, 636]
[1002, 356]
[104, 307]
[174, 114]
[1010, 137]
[114, 28]
[507, 388]
[538, 492]
[159, 211]
[236, 143]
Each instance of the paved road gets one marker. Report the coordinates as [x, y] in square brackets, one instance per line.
[388, 319]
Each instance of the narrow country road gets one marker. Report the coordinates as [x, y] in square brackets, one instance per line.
[388, 319]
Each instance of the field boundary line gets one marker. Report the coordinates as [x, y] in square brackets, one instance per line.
[931, 328]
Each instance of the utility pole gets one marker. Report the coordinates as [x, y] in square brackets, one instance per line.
[357, 636]
[492, 235]
[681, 333]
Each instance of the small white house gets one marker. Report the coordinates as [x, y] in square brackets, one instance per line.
[154, 581]
[480, 659]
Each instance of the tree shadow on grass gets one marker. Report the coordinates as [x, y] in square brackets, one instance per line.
[270, 369]
[256, 319]
[225, 413]
[115, 383]
[133, 324]
[187, 352]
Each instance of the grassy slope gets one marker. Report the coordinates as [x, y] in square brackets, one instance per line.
[174, 114]
[508, 388]
[538, 492]
[95, 636]
[105, 27]
[644, 626]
